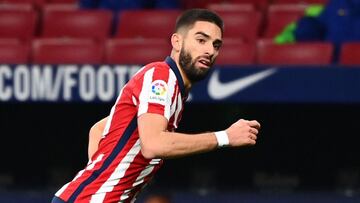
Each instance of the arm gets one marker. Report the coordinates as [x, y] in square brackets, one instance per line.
[156, 142]
[95, 136]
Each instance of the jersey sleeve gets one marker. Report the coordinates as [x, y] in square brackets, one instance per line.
[157, 92]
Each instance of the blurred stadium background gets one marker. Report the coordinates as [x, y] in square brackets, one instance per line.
[308, 106]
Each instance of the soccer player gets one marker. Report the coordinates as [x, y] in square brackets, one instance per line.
[128, 147]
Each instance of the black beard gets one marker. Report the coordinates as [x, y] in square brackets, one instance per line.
[188, 65]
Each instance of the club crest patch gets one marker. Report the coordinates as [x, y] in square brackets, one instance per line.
[158, 92]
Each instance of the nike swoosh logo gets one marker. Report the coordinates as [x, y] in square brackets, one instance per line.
[218, 90]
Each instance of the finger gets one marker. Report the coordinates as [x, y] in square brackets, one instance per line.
[252, 142]
[254, 124]
[241, 121]
[254, 131]
[253, 137]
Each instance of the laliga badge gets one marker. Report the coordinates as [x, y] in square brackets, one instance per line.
[158, 92]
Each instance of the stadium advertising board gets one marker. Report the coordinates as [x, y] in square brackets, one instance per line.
[63, 83]
[90, 83]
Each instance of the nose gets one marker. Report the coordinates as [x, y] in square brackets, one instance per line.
[210, 50]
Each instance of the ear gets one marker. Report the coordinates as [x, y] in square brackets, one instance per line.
[176, 41]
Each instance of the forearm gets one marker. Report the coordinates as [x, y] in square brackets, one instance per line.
[157, 142]
[171, 145]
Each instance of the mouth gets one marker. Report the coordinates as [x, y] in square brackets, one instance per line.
[204, 62]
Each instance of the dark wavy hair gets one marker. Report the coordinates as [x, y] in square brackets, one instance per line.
[191, 16]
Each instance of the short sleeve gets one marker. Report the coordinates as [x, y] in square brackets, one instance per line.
[157, 92]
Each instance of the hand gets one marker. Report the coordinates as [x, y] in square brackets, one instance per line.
[243, 133]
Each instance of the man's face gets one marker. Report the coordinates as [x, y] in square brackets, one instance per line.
[199, 50]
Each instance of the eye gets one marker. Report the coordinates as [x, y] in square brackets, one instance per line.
[217, 46]
[201, 41]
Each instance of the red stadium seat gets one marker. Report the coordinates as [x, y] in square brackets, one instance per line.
[350, 53]
[63, 1]
[16, 7]
[280, 15]
[17, 24]
[136, 51]
[12, 51]
[10, 41]
[67, 51]
[300, 1]
[316, 53]
[187, 4]
[231, 7]
[258, 4]
[93, 24]
[59, 7]
[244, 25]
[21, 1]
[236, 52]
[146, 23]
[35, 3]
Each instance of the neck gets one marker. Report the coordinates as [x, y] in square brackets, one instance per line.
[187, 82]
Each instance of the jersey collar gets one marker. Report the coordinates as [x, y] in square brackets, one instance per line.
[175, 69]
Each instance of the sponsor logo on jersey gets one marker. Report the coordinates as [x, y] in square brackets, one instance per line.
[158, 92]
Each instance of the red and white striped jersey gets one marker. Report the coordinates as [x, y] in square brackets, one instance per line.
[118, 170]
